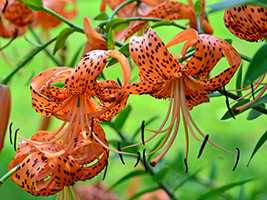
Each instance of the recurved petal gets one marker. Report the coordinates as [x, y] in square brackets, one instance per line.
[94, 39]
[47, 99]
[153, 59]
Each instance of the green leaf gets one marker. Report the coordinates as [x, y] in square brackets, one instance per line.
[62, 37]
[254, 114]
[222, 189]
[110, 42]
[122, 117]
[259, 144]
[128, 176]
[33, 4]
[101, 17]
[239, 81]
[260, 101]
[197, 6]
[139, 194]
[228, 115]
[228, 4]
[229, 41]
[257, 67]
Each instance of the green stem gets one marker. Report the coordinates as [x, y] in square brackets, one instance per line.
[168, 23]
[48, 53]
[8, 174]
[63, 19]
[28, 57]
[121, 6]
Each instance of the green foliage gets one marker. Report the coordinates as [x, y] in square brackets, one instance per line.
[33, 4]
[220, 190]
[62, 37]
[257, 67]
[259, 144]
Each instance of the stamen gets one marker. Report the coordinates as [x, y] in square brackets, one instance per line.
[145, 161]
[203, 145]
[237, 158]
[186, 165]
[143, 132]
[10, 133]
[119, 149]
[105, 171]
[252, 91]
[15, 139]
[138, 159]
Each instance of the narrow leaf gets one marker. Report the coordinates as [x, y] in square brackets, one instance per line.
[101, 16]
[254, 114]
[228, 115]
[62, 37]
[239, 81]
[217, 191]
[257, 67]
[259, 144]
[122, 117]
[128, 176]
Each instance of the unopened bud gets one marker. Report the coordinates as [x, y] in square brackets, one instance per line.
[5, 105]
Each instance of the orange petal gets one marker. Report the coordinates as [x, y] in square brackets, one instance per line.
[46, 99]
[126, 70]
[154, 61]
[95, 40]
[247, 22]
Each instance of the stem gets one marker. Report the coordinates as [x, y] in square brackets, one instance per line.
[8, 174]
[48, 53]
[63, 19]
[121, 6]
[29, 57]
[168, 23]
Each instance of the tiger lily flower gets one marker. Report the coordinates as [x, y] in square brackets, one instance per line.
[163, 9]
[14, 19]
[247, 22]
[185, 85]
[45, 170]
[46, 21]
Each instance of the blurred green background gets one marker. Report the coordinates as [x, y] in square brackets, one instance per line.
[216, 166]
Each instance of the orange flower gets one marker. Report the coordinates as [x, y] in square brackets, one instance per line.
[164, 9]
[46, 21]
[156, 195]
[186, 85]
[81, 87]
[5, 100]
[14, 19]
[46, 167]
[75, 96]
[247, 22]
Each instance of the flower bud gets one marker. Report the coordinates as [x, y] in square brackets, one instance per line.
[5, 103]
